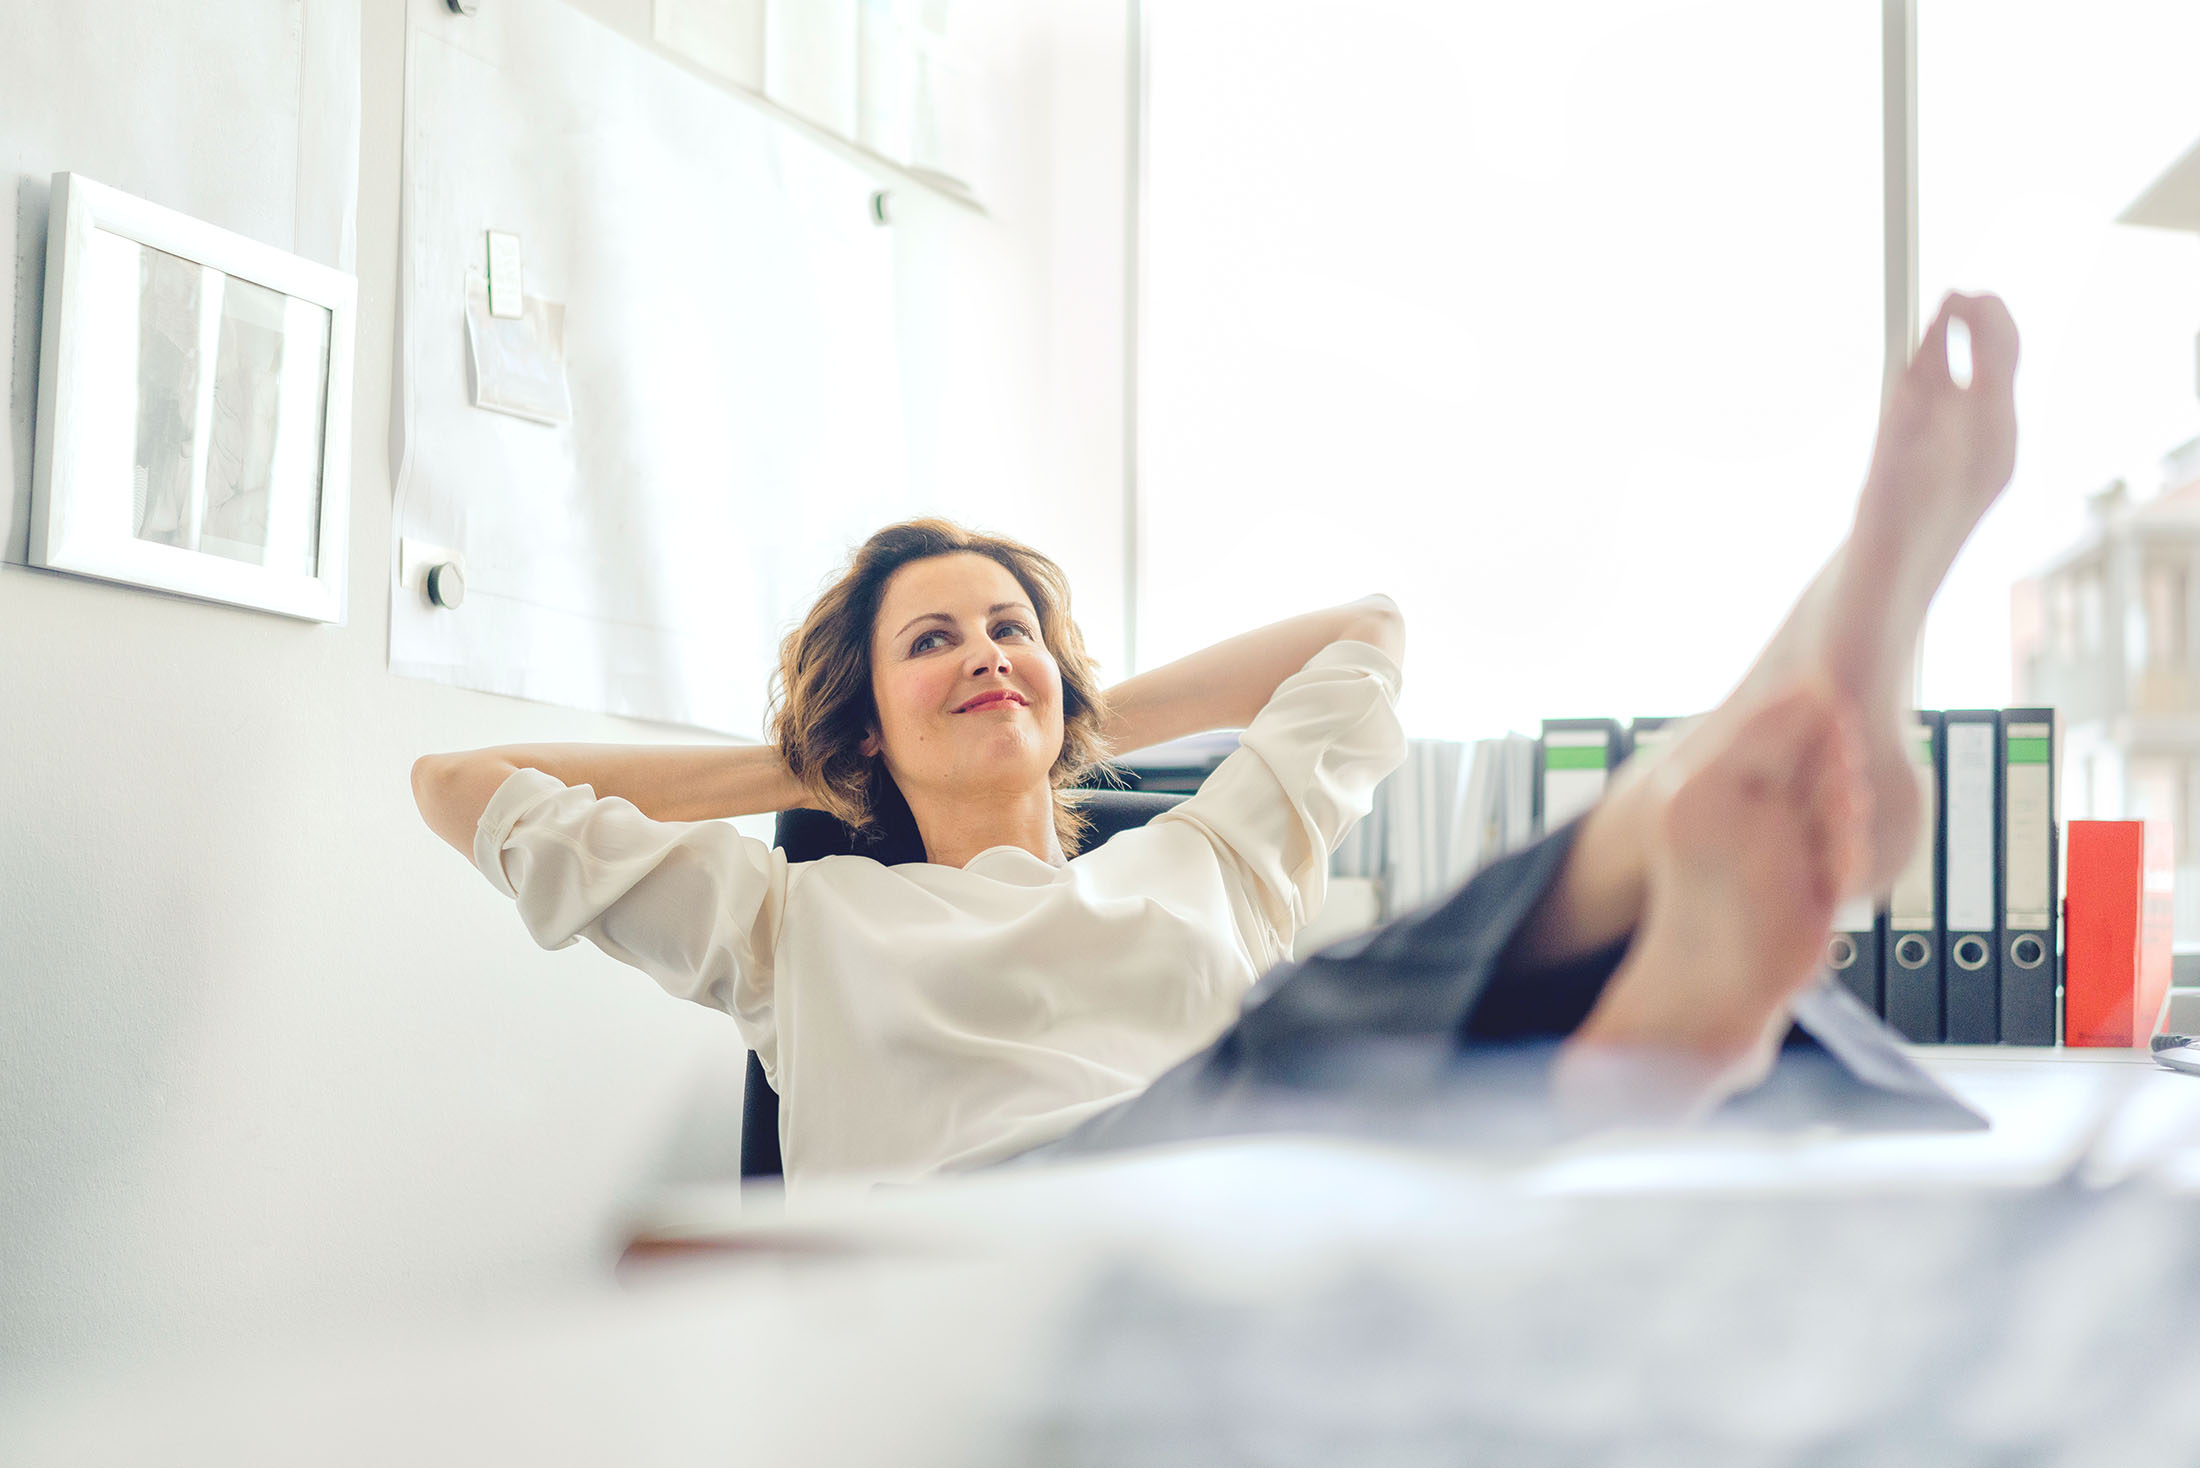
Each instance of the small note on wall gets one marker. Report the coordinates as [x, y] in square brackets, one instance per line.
[518, 365]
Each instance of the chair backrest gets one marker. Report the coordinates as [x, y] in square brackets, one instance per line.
[807, 835]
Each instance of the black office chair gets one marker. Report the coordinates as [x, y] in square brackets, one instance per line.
[806, 835]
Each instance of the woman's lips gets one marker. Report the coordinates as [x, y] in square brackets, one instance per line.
[994, 701]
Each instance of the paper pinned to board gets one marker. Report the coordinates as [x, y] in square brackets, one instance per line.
[810, 60]
[722, 36]
[518, 365]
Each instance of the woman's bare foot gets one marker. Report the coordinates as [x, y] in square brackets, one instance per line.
[1943, 455]
[1748, 858]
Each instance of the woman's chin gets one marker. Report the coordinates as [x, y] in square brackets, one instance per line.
[1011, 749]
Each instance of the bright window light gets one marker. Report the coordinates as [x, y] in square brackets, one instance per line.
[1561, 324]
[2038, 124]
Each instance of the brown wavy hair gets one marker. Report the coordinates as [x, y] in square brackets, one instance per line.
[821, 704]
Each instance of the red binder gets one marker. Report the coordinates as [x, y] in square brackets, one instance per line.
[2117, 916]
[2157, 930]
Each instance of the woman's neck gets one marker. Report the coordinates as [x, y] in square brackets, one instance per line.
[955, 829]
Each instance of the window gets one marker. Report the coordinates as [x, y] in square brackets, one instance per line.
[2092, 618]
[1562, 325]
[2038, 125]
[2165, 618]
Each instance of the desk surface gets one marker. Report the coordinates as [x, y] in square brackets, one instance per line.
[1725, 1297]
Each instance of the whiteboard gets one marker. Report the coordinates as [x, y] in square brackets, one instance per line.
[729, 329]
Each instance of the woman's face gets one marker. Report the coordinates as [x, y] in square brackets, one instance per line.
[953, 630]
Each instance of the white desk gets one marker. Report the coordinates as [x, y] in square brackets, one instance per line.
[1719, 1298]
[2111, 1115]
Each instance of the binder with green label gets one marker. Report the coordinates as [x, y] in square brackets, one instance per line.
[1649, 737]
[1576, 758]
[2027, 938]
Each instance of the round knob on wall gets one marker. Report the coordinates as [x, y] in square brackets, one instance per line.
[446, 585]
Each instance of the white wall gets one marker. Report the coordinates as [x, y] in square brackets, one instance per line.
[273, 1056]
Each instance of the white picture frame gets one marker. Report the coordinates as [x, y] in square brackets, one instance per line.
[194, 409]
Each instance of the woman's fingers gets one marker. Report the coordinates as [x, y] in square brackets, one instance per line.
[1993, 338]
[1929, 363]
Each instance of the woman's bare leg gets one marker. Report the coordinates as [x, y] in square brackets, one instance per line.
[1943, 454]
[1603, 885]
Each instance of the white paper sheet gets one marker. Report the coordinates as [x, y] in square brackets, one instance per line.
[726, 36]
[518, 363]
[810, 60]
[245, 115]
[730, 350]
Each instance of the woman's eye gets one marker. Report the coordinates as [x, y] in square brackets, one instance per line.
[919, 644]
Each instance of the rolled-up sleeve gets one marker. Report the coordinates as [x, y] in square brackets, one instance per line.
[695, 905]
[1303, 774]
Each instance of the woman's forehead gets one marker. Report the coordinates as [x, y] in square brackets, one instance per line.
[960, 585]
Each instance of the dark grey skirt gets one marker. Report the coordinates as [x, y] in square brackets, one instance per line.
[1417, 1030]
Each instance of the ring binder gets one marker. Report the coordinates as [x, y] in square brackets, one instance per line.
[1853, 952]
[1576, 758]
[2027, 946]
[1910, 968]
[1971, 900]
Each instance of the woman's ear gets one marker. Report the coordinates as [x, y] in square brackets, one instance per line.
[870, 744]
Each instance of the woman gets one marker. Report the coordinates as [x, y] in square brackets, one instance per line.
[1014, 991]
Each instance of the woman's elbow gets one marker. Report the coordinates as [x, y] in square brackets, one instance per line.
[440, 789]
[1378, 622]
[425, 771]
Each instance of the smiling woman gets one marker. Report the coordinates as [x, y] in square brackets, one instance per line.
[943, 667]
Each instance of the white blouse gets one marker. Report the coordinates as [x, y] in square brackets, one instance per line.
[920, 1017]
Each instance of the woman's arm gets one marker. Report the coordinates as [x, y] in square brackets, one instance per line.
[1224, 686]
[664, 782]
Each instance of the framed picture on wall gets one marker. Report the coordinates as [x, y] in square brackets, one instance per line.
[194, 408]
